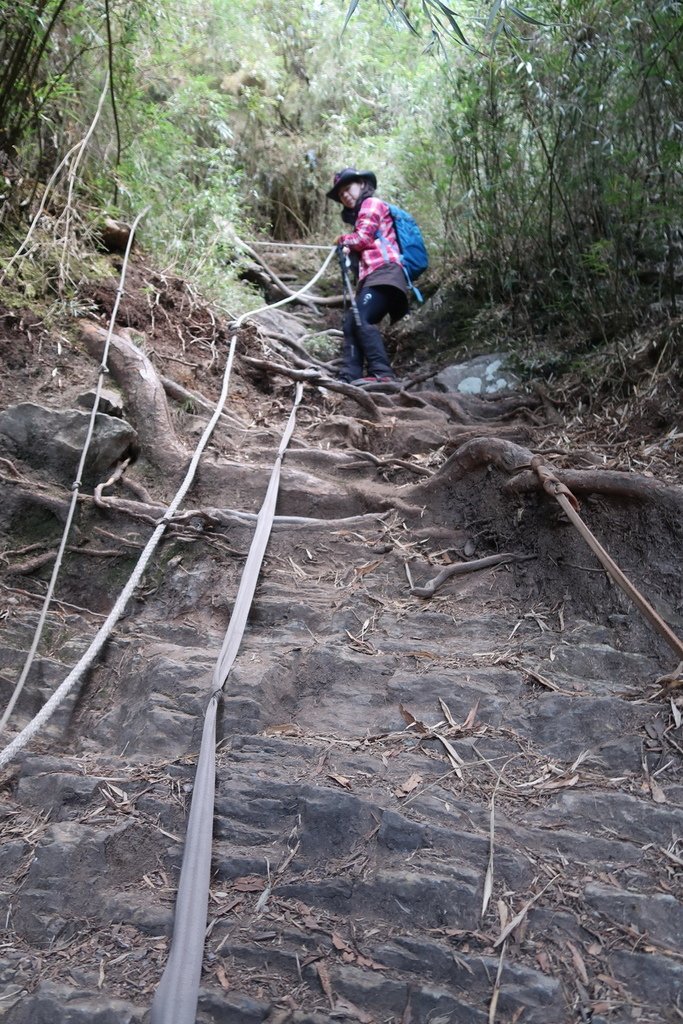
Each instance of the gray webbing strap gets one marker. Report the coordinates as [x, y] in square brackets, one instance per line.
[175, 1001]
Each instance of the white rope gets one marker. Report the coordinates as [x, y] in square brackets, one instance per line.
[105, 630]
[175, 1001]
[115, 614]
[294, 295]
[74, 489]
[288, 245]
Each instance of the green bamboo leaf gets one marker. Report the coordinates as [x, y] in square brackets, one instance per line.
[450, 15]
[492, 14]
[352, 7]
[394, 10]
[525, 17]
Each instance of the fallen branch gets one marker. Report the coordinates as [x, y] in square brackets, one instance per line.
[460, 568]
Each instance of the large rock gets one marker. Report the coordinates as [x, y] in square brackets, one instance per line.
[485, 375]
[53, 439]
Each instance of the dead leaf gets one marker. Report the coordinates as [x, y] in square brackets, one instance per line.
[223, 978]
[672, 680]
[488, 880]
[325, 984]
[657, 792]
[611, 982]
[341, 780]
[543, 961]
[577, 960]
[408, 786]
[453, 755]
[559, 784]
[363, 570]
[288, 729]
[249, 883]
[447, 713]
[339, 943]
[411, 720]
[518, 918]
[469, 721]
[655, 728]
[365, 961]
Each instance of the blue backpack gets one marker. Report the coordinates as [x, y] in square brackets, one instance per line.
[414, 258]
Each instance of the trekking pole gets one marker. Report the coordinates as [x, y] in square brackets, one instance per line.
[345, 265]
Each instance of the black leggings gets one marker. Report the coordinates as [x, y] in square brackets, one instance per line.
[363, 344]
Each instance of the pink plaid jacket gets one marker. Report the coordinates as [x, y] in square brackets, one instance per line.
[374, 215]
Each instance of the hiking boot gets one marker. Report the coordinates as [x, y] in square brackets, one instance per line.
[365, 380]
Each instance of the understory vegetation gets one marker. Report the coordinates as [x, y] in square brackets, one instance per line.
[539, 146]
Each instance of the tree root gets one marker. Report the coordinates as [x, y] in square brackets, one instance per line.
[140, 382]
[611, 482]
[514, 459]
[38, 561]
[480, 451]
[296, 348]
[319, 380]
[460, 568]
[386, 463]
[210, 518]
[182, 394]
[39, 497]
[471, 409]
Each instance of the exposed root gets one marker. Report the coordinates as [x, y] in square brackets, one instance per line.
[182, 394]
[145, 393]
[460, 568]
[316, 378]
[613, 483]
[515, 459]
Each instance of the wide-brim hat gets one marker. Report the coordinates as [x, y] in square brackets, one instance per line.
[348, 175]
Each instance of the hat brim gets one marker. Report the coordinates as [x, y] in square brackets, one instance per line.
[347, 179]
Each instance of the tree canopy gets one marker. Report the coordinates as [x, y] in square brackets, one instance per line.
[538, 143]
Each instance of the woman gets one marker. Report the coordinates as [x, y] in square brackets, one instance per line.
[382, 284]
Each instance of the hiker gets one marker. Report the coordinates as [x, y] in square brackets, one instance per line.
[376, 261]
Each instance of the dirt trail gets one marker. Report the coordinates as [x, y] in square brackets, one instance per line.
[388, 766]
